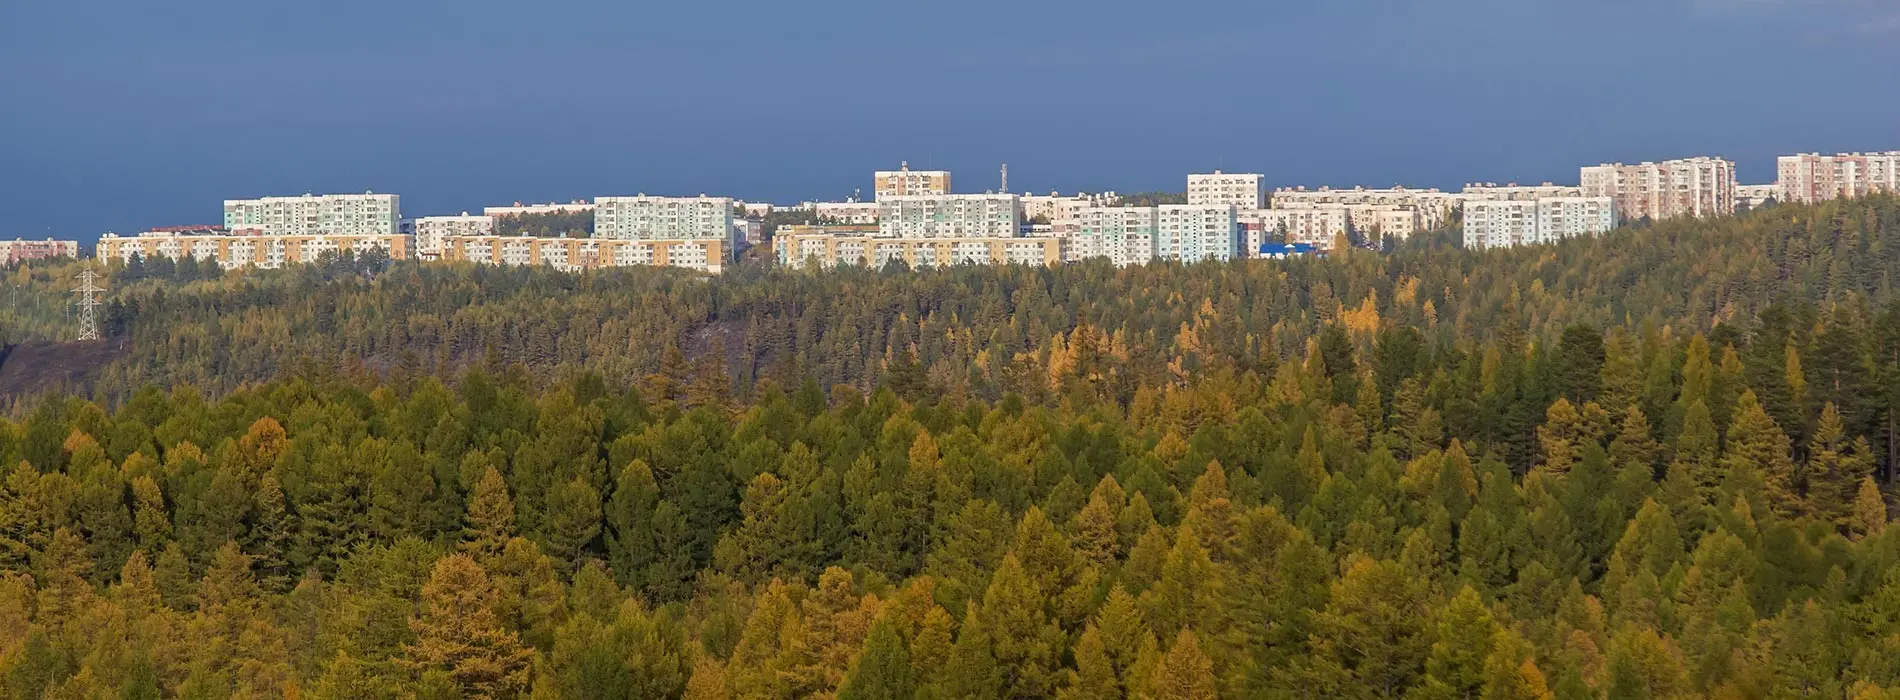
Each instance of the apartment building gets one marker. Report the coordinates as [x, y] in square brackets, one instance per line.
[1055, 207]
[573, 254]
[1238, 190]
[1810, 177]
[1196, 232]
[1124, 235]
[1699, 187]
[1318, 225]
[904, 182]
[367, 214]
[18, 251]
[1505, 223]
[645, 218]
[1434, 206]
[844, 212]
[578, 206]
[247, 248]
[796, 249]
[950, 216]
[1393, 221]
[1756, 196]
[431, 230]
[1491, 191]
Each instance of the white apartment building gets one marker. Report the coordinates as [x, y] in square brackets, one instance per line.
[574, 254]
[1700, 187]
[950, 216]
[431, 230]
[1054, 207]
[1124, 235]
[904, 182]
[367, 214]
[1434, 206]
[1479, 191]
[1196, 232]
[1756, 196]
[1238, 190]
[830, 249]
[578, 206]
[248, 248]
[1317, 225]
[644, 218]
[1394, 221]
[844, 212]
[1810, 177]
[1510, 222]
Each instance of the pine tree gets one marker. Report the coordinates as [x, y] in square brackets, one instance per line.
[491, 518]
[1185, 673]
[458, 633]
[1758, 449]
[971, 672]
[1094, 676]
[573, 521]
[1465, 637]
[1835, 470]
[882, 671]
[269, 538]
[1870, 509]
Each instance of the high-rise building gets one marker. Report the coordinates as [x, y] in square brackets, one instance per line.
[1700, 187]
[367, 214]
[904, 182]
[1196, 232]
[644, 218]
[1124, 235]
[1238, 190]
[1810, 177]
[1384, 221]
[950, 216]
[430, 230]
[1506, 222]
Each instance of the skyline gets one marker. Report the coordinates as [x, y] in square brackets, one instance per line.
[128, 132]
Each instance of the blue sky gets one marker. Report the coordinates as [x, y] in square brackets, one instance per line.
[125, 114]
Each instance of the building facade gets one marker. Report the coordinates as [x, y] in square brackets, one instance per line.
[1054, 207]
[798, 249]
[644, 218]
[1195, 232]
[844, 212]
[573, 254]
[430, 230]
[950, 216]
[1386, 221]
[1506, 223]
[1318, 225]
[1238, 190]
[1699, 187]
[231, 250]
[18, 251]
[367, 214]
[1483, 191]
[1810, 177]
[578, 206]
[1756, 196]
[904, 182]
[1124, 235]
[1434, 206]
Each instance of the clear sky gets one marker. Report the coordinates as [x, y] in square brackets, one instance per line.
[125, 114]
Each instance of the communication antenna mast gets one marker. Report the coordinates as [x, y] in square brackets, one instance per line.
[1005, 178]
[88, 305]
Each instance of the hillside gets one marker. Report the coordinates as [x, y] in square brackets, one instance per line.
[1653, 465]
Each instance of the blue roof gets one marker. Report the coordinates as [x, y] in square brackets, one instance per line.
[1286, 248]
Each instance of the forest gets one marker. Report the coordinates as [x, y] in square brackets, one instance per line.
[1656, 464]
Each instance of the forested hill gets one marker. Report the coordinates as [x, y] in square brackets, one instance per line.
[1651, 466]
[982, 329]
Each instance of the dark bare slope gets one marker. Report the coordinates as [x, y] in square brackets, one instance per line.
[36, 366]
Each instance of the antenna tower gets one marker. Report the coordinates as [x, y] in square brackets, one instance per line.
[88, 305]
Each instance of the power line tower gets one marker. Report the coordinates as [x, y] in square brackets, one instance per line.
[88, 305]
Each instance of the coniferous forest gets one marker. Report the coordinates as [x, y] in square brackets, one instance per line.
[1658, 464]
